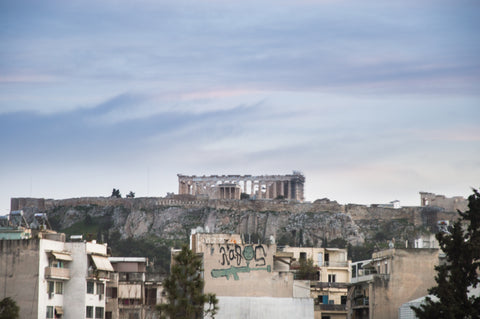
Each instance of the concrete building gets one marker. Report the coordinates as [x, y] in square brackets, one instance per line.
[392, 277]
[132, 292]
[51, 278]
[245, 279]
[329, 288]
[231, 186]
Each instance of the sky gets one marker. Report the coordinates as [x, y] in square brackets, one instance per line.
[372, 100]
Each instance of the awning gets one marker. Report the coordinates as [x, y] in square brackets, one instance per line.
[58, 310]
[102, 263]
[62, 256]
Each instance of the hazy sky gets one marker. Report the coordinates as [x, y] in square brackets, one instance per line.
[372, 100]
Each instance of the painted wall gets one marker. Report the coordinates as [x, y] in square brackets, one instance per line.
[264, 308]
[235, 269]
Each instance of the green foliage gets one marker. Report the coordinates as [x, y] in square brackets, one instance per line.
[116, 193]
[337, 243]
[131, 195]
[307, 270]
[9, 309]
[184, 289]
[244, 196]
[131, 247]
[460, 271]
[360, 252]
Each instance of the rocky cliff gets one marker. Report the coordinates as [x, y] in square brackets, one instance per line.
[293, 223]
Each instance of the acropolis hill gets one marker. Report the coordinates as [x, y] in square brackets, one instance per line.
[288, 221]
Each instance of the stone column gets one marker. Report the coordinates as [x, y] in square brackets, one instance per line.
[275, 190]
[289, 190]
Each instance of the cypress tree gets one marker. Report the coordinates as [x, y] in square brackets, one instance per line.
[184, 289]
[461, 269]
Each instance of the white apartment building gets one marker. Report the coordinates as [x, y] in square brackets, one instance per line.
[50, 278]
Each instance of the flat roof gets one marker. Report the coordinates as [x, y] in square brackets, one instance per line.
[128, 259]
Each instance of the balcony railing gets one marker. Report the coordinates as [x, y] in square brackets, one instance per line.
[98, 274]
[335, 264]
[57, 273]
[324, 285]
[361, 302]
[330, 307]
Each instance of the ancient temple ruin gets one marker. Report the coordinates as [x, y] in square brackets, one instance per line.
[232, 186]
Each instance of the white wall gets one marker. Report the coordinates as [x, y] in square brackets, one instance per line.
[264, 308]
[43, 300]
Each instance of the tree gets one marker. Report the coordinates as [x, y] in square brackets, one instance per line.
[184, 289]
[461, 270]
[9, 309]
[131, 195]
[116, 193]
[307, 271]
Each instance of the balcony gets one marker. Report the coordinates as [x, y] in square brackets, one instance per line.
[360, 302]
[324, 285]
[57, 273]
[335, 264]
[98, 274]
[330, 307]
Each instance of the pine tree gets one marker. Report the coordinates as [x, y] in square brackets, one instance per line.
[461, 270]
[184, 289]
[9, 309]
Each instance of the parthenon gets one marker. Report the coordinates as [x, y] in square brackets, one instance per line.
[231, 186]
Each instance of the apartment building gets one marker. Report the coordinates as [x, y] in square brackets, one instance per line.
[329, 288]
[50, 278]
[132, 292]
[392, 277]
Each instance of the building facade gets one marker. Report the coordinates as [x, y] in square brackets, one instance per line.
[50, 278]
[246, 279]
[330, 287]
[289, 187]
[132, 292]
[392, 277]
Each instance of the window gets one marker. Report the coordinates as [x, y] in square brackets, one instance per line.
[134, 315]
[49, 311]
[327, 259]
[331, 278]
[323, 299]
[59, 287]
[320, 259]
[90, 287]
[151, 296]
[111, 292]
[386, 267]
[303, 256]
[343, 300]
[89, 312]
[50, 287]
[57, 264]
[100, 288]
[108, 315]
[98, 312]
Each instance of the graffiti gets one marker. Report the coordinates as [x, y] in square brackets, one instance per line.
[260, 251]
[233, 256]
[233, 271]
[229, 255]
